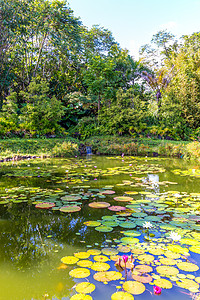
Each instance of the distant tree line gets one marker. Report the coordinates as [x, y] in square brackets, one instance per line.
[58, 77]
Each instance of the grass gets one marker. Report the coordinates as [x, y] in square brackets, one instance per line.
[132, 146]
[109, 145]
[17, 147]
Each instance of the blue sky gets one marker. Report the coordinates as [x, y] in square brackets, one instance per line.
[133, 22]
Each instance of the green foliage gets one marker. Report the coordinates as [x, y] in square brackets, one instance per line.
[192, 151]
[65, 149]
[41, 114]
[86, 127]
[125, 116]
[9, 119]
[37, 147]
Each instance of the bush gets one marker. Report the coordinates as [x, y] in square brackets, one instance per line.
[192, 151]
[65, 149]
[41, 114]
[86, 127]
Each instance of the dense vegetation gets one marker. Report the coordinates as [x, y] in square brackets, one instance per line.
[58, 77]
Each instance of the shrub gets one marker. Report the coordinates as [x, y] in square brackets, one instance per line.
[41, 114]
[65, 149]
[192, 150]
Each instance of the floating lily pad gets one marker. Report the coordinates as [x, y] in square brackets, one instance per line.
[82, 255]
[99, 204]
[71, 198]
[107, 276]
[188, 284]
[85, 287]
[168, 261]
[70, 208]
[163, 283]
[132, 233]
[195, 249]
[172, 255]
[92, 223]
[81, 297]
[45, 205]
[80, 273]
[103, 228]
[167, 270]
[100, 266]
[134, 287]
[127, 224]
[186, 266]
[131, 193]
[144, 278]
[122, 296]
[108, 192]
[123, 199]
[129, 240]
[143, 268]
[124, 249]
[101, 258]
[117, 208]
[94, 251]
[85, 263]
[110, 251]
[146, 257]
[69, 260]
[178, 249]
[110, 223]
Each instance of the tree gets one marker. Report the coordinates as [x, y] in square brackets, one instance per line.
[41, 113]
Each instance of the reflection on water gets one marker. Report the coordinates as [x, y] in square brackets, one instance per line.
[34, 240]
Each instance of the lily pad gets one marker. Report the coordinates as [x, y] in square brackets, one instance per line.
[144, 278]
[163, 283]
[92, 223]
[82, 255]
[85, 263]
[99, 204]
[188, 284]
[129, 240]
[123, 199]
[146, 257]
[100, 266]
[117, 208]
[94, 251]
[134, 287]
[45, 205]
[143, 268]
[167, 270]
[103, 228]
[81, 297]
[101, 258]
[186, 266]
[127, 224]
[122, 296]
[85, 287]
[108, 192]
[71, 198]
[168, 261]
[69, 260]
[110, 251]
[107, 276]
[70, 208]
[80, 273]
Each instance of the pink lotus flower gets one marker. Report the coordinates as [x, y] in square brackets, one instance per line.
[157, 290]
[125, 258]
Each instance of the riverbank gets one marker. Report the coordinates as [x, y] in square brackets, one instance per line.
[14, 149]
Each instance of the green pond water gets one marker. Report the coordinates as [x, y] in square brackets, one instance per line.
[68, 221]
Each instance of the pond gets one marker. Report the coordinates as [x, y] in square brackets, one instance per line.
[100, 228]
